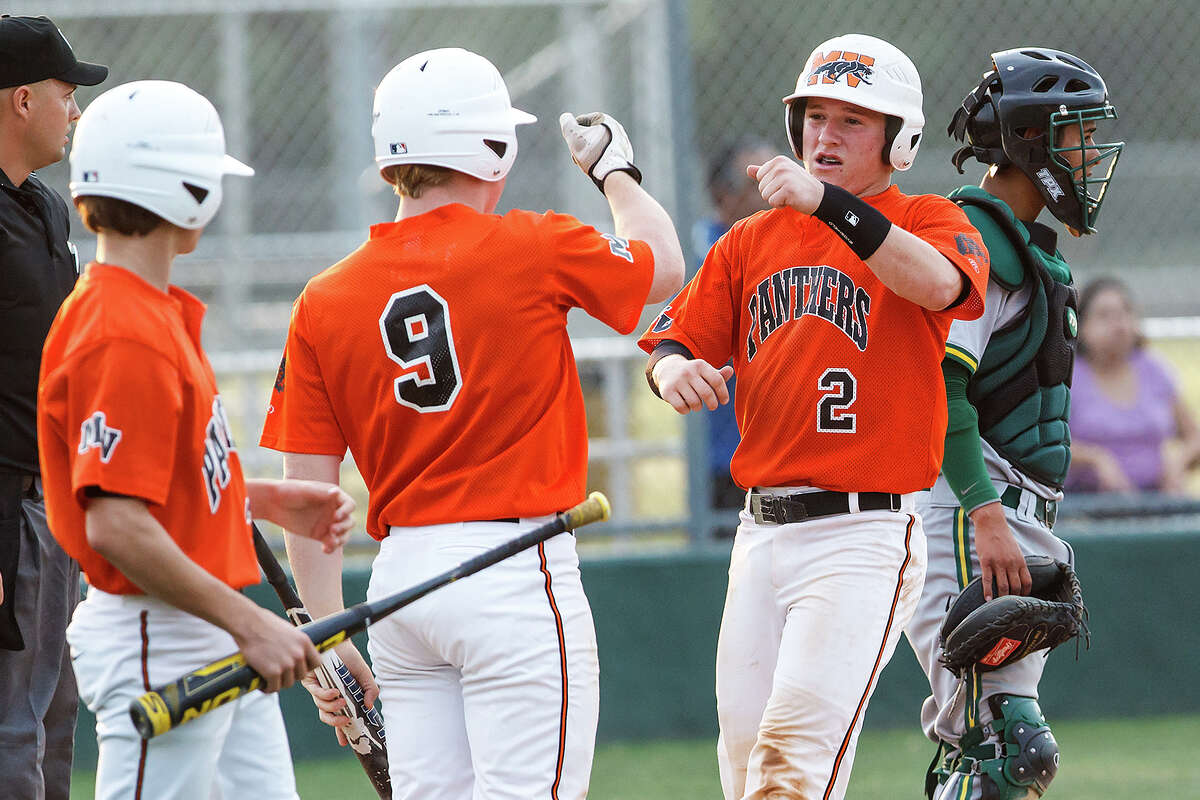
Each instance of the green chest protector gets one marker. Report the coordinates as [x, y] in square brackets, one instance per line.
[1021, 389]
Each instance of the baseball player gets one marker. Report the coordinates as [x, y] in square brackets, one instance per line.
[438, 354]
[834, 306]
[142, 476]
[1007, 375]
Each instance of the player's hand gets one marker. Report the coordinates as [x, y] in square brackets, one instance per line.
[314, 510]
[689, 385]
[783, 182]
[331, 704]
[1000, 559]
[599, 145]
[276, 650]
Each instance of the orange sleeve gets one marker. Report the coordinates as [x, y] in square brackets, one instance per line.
[300, 417]
[945, 226]
[605, 275]
[703, 316]
[121, 403]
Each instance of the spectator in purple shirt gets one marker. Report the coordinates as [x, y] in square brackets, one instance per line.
[1130, 427]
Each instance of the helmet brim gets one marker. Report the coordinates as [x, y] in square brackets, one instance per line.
[231, 166]
[520, 117]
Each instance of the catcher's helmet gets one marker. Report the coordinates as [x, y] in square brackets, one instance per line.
[447, 107]
[1016, 115]
[867, 72]
[158, 145]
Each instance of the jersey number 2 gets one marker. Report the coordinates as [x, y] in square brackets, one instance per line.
[840, 390]
[416, 334]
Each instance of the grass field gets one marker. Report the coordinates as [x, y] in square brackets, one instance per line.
[1143, 758]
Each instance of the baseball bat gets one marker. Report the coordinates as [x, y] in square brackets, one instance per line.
[228, 678]
[363, 728]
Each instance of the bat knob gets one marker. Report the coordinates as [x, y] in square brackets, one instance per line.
[602, 502]
[150, 715]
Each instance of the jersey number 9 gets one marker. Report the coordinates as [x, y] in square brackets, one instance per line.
[416, 334]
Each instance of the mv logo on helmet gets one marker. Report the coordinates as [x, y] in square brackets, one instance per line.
[832, 66]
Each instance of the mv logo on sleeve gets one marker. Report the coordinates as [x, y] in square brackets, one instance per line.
[94, 432]
[218, 444]
[618, 246]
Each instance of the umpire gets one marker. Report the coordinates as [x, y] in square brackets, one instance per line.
[38, 267]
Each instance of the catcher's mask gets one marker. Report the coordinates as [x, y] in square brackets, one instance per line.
[1018, 115]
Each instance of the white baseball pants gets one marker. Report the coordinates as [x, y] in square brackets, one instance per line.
[812, 615]
[122, 645]
[490, 685]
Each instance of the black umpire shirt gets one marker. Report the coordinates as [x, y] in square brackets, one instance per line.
[38, 269]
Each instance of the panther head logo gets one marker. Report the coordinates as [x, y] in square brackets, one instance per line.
[837, 64]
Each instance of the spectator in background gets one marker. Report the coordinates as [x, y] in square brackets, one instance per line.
[1130, 428]
[734, 196]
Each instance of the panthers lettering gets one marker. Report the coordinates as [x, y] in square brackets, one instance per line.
[788, 294]
[94, 432]
[218, 444]
[795, 309]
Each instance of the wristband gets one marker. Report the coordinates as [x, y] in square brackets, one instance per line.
[859, 225]
[664, 348]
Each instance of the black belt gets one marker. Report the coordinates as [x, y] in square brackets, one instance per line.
[513, 520]
[1044, 511]
[785, 509]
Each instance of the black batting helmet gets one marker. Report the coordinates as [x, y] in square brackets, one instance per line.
[1016, 115]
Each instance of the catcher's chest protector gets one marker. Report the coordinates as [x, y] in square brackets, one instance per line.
[1022, 386]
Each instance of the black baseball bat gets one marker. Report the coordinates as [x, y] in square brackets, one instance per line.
[226, 679]
[363, 728]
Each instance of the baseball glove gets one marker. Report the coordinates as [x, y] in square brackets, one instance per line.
[990, 635]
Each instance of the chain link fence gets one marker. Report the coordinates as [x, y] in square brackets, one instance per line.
[294, 79]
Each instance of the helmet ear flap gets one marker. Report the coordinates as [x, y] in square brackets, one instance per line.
[891, 127]
[793, 120]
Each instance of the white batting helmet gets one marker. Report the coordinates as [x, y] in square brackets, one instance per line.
[158, 145]
[447, 107]
[867, 72]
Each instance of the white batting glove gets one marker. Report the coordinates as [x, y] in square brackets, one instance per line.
[599, 145]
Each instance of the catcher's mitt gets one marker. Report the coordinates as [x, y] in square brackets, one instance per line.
[990, 635]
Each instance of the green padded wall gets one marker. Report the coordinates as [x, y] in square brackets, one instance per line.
[657, 619]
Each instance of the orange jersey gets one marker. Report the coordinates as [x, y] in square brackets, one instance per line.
[127, 402]
[839, 383]
[438, 353]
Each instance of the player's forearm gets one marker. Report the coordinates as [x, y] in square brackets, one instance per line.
[123, 531]
[264, 498]
[962, 463]
[915, 270]
[318, 575]
[637, 215]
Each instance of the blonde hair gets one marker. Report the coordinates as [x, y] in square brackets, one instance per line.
[412, 179]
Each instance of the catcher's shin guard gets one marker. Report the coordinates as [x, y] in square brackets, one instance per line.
[1015, 756]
